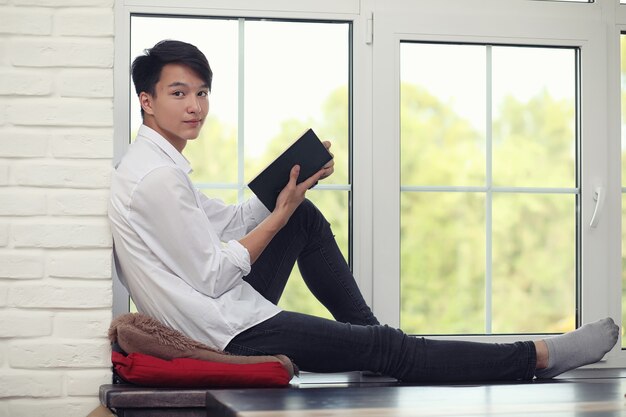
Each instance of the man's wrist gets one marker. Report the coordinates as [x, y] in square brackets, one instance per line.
[278, 218]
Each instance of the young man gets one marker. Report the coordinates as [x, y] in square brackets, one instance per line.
[216, 271]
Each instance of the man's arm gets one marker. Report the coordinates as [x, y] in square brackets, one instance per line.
[287, 202]
[233, 221]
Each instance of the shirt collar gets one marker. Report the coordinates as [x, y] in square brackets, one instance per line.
[165, 146]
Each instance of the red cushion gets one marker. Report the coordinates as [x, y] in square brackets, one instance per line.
[147, 370]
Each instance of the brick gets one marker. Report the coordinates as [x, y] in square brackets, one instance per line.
[4, 59]
[87, 234]
[79, 203]
[84, 326]
[60, 296]
[59, 353]
[91, 264]
[25, 21]
[86, 383]
[89, 53]
[86, 83]
[3, 108]
[25, 83]
[66, 407]
[96, 143]
[4, 234]
[65, 175]
[21, 265]
[66, 3]
[4, 175]
[23, 143]
[30, 384]
[60, 112]
[4, 295]
[25, 324]
[17, 202]
[84, 22]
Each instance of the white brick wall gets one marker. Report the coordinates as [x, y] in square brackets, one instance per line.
[56, 130]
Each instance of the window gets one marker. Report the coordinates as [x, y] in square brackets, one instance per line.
[623, 174]
[478, 187]
[272, 80]
[488, 167]
[488, 178]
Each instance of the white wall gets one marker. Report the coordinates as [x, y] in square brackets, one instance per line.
[56, 113]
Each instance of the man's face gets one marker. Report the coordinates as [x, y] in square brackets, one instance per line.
[179, 107]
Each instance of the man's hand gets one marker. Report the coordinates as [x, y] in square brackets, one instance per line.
[287, 202]
[329, 168]
[293, 194]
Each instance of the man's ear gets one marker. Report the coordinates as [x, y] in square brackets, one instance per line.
[145, 101]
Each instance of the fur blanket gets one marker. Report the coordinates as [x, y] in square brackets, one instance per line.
[135, 332]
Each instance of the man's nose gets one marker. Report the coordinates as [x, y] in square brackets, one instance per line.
[195, 105]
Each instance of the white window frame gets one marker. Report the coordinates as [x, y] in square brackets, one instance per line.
[339, 10]
[507, 22]
[378, 26]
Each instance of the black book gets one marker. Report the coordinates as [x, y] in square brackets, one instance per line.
[307, 151]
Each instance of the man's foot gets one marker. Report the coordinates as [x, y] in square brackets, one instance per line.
[583, 346]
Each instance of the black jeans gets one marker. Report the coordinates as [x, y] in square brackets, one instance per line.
[356, 341]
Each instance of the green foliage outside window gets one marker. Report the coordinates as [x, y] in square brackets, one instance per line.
[443, 234]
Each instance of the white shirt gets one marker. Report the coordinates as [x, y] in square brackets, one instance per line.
[168, 244]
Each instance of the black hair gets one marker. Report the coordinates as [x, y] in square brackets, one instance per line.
[146, 68]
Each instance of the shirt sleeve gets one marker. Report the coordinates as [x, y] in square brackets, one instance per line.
[165, 213]
[233, 221]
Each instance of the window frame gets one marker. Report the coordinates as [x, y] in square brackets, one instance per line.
[374, 251]
[316, 10]
[497, 22]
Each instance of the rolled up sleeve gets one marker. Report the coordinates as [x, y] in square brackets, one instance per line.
[233, 221]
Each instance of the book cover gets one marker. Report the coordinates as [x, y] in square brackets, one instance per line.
[307, 151]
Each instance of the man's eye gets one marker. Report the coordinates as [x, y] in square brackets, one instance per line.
[178, 93]
[203, 94]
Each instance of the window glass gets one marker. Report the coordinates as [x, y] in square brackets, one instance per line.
[296, 77]
[443, 114]
[442, 243]
[623, 133]
[488, 182]
[271, 81]
[213, 155]
[533, 117]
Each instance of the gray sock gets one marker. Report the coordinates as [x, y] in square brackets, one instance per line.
[583, 346]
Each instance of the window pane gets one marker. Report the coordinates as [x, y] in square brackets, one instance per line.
[477, 120]
[289, 87]
[534, 105]
[213, 154]
[534, 263]
[623, 266]
[623, 132]
[442, 263]
[296, 77]
[443, 114]
[623, 93]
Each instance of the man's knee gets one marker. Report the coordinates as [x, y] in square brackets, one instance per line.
[311, 216]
